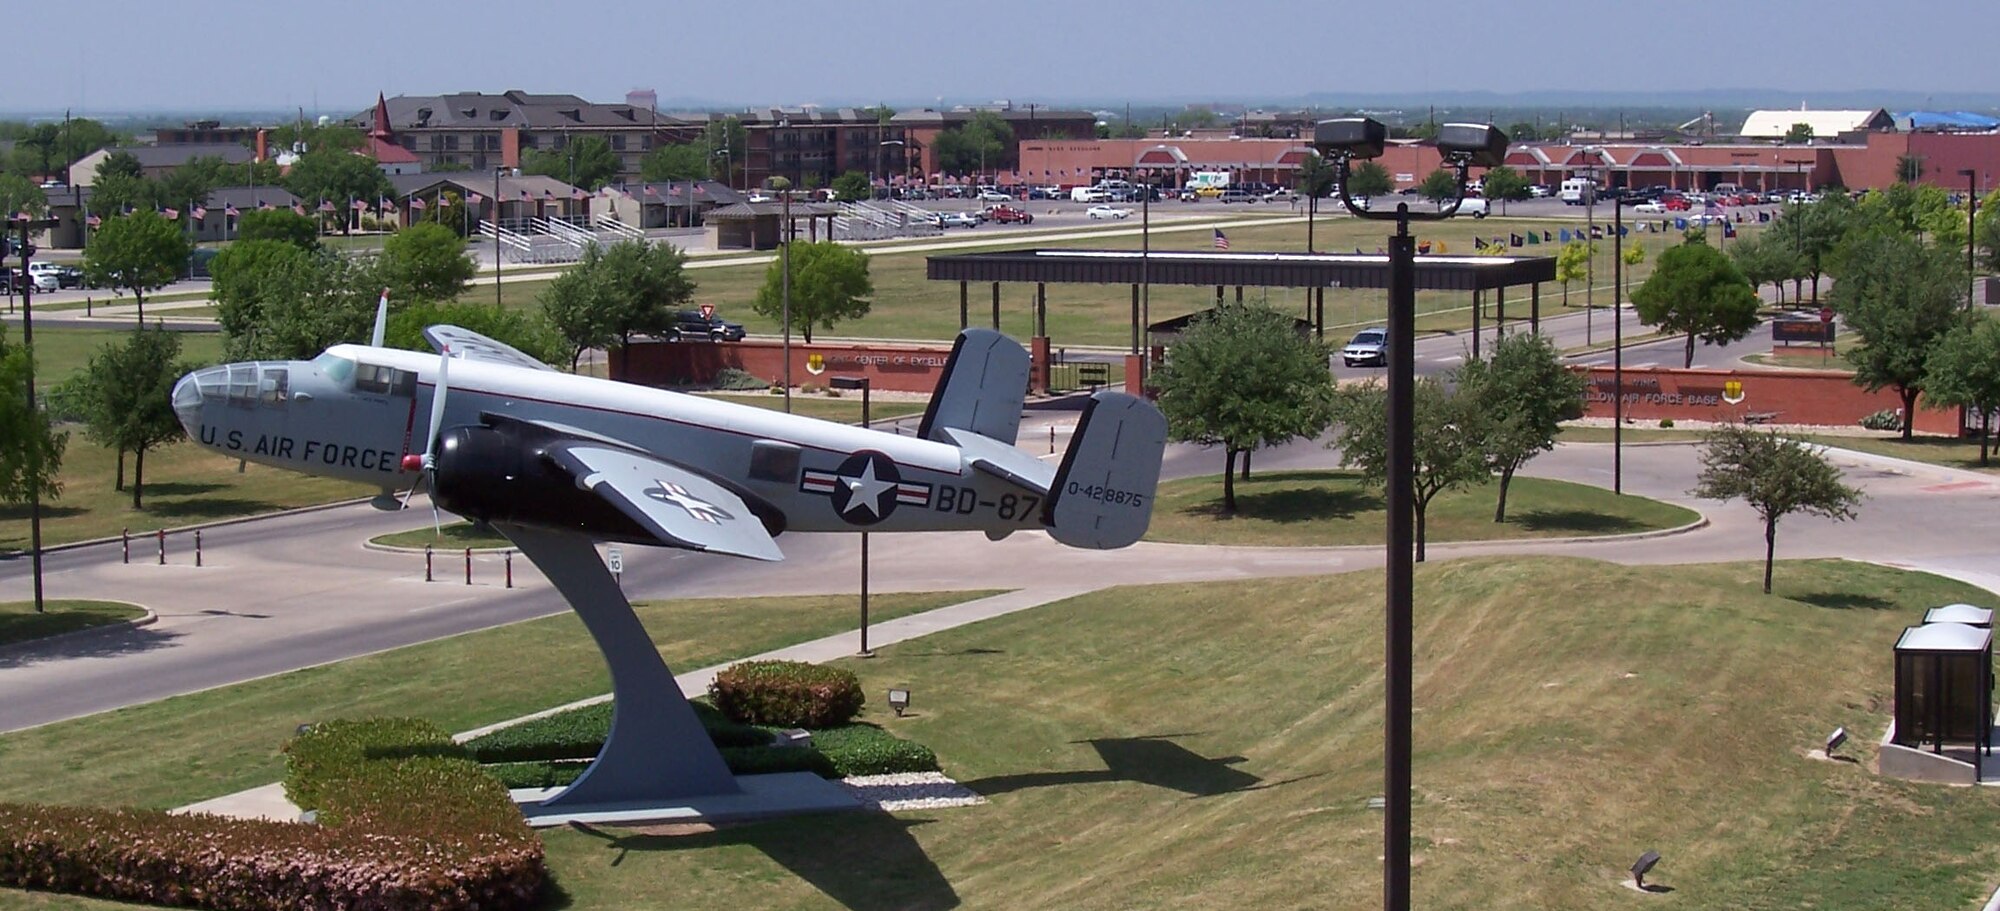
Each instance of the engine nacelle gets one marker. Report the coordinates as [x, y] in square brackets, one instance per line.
[500, 474]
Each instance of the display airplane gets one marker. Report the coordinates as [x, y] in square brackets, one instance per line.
[556, 462]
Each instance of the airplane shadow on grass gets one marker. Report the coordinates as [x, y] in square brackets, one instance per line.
[1156, 760]
[865, 861]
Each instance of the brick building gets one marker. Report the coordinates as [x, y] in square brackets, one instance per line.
[1030, 123]
[477, 131]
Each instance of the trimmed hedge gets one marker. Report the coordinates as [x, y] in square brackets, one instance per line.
[787, 694]
[406, 821]
[855, 749]
[579, 734]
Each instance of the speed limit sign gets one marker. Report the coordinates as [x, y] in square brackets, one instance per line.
[615, 559]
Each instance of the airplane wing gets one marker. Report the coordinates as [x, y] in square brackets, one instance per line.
[682, 508]
[472, 346]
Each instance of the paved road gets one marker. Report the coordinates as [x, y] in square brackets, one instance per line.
[294, 591]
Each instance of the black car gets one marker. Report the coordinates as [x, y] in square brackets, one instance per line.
[692, 326]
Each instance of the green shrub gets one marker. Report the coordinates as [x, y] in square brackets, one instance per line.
[787, 694]
[1666, 422]
[732, 378]
[579, 733]
[1886, 419]
[855, 749]
[864, 749]
[405, 821]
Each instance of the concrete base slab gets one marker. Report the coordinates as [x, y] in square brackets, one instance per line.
[266, 802]
[762, 797]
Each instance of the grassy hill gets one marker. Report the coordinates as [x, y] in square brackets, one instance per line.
[1214, 747]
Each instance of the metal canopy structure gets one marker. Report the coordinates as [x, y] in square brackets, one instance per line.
[1944, 686]
[1246, 269]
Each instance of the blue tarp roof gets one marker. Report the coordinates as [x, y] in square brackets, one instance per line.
[1950, 120]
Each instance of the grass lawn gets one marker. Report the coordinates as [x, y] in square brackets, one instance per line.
[1650, 434]
[185, 484]
[60, 353]
[451, 536]
[1950, 452]
[1213, 746]
[1327, 508]
[20, 623]
[202, 745]
[909, 306]
[846, 409]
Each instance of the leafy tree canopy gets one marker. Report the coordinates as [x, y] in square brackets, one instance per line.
[586, 162]
[1963, 370]
[830, 284]
[1695, 291]
[278, 224]
[522, 329]
[31, 449]
[1777, 476]
[1901, 298]
[426, 261]
[682, 161]
[1369, 179]
[1448, 451]
[140, 253]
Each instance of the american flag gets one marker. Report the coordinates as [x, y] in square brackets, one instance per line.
[417, 203]
[1711, 207]
[200, 213]
[579, 194]
[299, 208]
[229, 210]
[1221, 240]
[326, 205]
[474, 198]
[93, 221]
[357, 205]
[170, 214]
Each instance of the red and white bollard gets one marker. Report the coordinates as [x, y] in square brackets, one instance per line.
[468, 566]
[125, 543]
[510, 569]
[197, 548]
[162, 535]
[427, 563]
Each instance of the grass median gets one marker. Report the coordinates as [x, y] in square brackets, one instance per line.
[1331, 508]
[19, 622]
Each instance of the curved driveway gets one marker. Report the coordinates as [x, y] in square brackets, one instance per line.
[293, 591]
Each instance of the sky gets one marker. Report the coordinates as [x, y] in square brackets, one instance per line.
[100, 56]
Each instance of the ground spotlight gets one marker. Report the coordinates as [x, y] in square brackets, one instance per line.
[900, 701]
[1643, 866]
[1834, 740]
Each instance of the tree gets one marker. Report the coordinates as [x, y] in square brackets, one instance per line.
[277, 302]
[120, 163]
[1447, 454]
[984, 144]
[282, 225]
[246, 274]
[1963, 371]
[1572, 265]
[31, 449]
[726, 135]
[1799, 134]
[1777, 476]
[1525, 394]
[1242, 377]
[140, 253]
[573, 307]
[1764, 259]
[42, 140]
[682, 161]
[1369, 179]
[830, 283]
[426, 261]
[852, 186]
[586, 162]
[333, 175]
[1695, 291]
[124, 395]
[1438, 186]
[1816, 231]
[1505, 184]
[19, 194]
[1901, 298]
[1986, 227]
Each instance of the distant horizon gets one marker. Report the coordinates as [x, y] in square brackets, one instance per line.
[245, 56]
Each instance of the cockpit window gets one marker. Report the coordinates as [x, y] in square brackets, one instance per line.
[336, 368]
[382, 380]
[275, 387]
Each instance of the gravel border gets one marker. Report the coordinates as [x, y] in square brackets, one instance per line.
[910, 791]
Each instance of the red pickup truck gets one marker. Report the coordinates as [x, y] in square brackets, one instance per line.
[1009, 215]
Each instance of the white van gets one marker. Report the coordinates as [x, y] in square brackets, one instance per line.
[1088, 194]
[1471, 206]
[1576, 190]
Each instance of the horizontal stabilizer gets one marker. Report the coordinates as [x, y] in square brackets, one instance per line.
[1003, 461]
[985, 380]
[1102, 496]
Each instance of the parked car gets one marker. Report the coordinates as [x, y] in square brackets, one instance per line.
[1008, 215]
[1540, 191]
[690, 325]
[52, 276]
[1188, 195]
[1653, 207]
[1107, 212]
[1676, 203]
[958, 220]
[991, 195]
[1238, 194]
[1369, 346]
[1280, 194]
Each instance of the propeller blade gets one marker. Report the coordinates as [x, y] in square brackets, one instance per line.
[381, 320]
[437, 408]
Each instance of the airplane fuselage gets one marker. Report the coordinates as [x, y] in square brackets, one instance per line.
[356, 411]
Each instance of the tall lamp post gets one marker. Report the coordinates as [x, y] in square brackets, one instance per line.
[1142, 346]
[1589, 245]
[26, 225]
[496, 234]
[784, 189]
[880, 152]
[1463, 146]
[1971, 225]
[1618, 345]
[862, 383]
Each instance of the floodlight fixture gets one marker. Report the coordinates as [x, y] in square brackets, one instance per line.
[1643, 866]
[1479, 145]
[1350, 137]
[1834, 740]
[900, 701]
[303, 729]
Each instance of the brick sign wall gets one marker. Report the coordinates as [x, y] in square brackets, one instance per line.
[1783, 397]
[891, 367]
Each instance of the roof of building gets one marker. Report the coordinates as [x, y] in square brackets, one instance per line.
[775, 209]
[1945, 120]
[246, 198]
[672, 193]
[510, 187]
[965, 115]
[174, 155]
[1967, 614]
[1825, 124]
[386, 152]
[1944, 637]
[516, 109]
[1251, 269]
